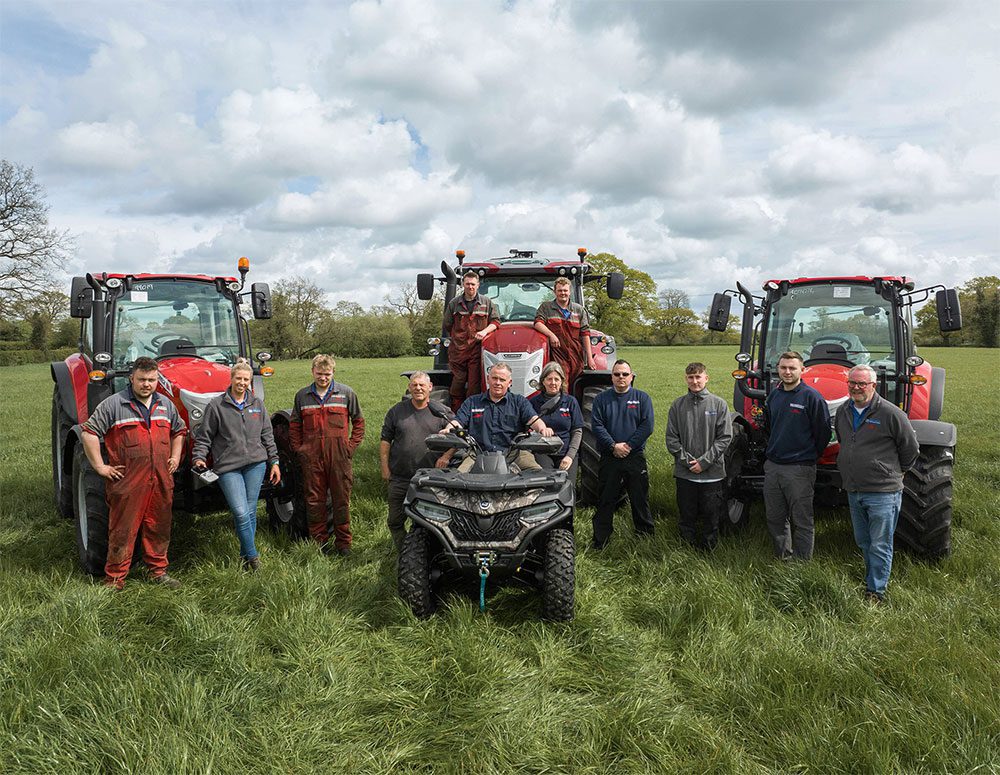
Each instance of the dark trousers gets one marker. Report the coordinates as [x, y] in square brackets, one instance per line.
[700, 506]
[397, 519]
[613, 474]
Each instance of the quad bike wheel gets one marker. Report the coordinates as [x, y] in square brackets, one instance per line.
[414, 573]
[559, 574]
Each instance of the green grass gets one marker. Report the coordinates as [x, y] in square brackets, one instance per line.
[675, 662]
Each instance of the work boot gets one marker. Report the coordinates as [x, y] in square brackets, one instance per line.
[165, 580]
[251, 564]
[344, 551]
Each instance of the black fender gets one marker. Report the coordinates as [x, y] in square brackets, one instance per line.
[934, 433]
[601, 378]
[60, 375]
[935, 404]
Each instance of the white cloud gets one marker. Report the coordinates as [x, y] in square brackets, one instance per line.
[100, 147]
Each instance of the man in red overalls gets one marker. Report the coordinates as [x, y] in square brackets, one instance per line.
[318, 432]
[144, 437]
[468, 319]
[567, 326]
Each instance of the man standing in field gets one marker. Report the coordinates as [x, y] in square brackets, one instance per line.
[318, 433]
[144, 439]
[622, 420]
[798, 423]
[402, 449]
[567, 327]
[699, 430]
[877, 446]
[469, 318]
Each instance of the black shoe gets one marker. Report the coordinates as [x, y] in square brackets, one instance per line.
[251, 564]
[344, 551]
[167, 581]
[598, 546]
[874, 597]
[327, 548]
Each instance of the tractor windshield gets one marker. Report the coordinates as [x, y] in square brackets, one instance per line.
[517, 298]
[833, 323]
[175, 317]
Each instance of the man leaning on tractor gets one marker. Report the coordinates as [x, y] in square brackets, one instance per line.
[468, 319]
[144, 438]
[567, 327]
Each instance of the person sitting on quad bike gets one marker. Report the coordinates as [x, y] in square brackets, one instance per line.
[493, 419]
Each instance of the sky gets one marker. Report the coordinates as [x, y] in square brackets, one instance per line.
[358, 143]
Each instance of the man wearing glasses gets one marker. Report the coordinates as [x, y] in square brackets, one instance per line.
[622, 420]
[877, 445]
[798, 424]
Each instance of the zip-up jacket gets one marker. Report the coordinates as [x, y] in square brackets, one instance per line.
[874, 457]
[618, 417]
[699, 428]
[798, 422]
[235, 437]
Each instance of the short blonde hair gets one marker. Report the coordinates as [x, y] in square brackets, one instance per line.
[562, 281]
[242, 364]
[324, 360]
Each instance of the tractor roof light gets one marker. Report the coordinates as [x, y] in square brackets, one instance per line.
[114, 282]
[243, 264]
[460, 255]
[743, 357]
[562, 270]
[771, 285]
[914, 360]
[235, 286]
[582, 253]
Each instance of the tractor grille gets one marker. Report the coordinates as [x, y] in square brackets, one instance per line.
[504, 527]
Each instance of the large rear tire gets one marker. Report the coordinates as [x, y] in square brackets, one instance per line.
[559, 576]
[90, 510]
[590, 458]
[61, 483]
[414, 573]
[924, 527]
[737, 513]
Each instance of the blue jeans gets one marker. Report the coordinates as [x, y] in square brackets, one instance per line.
[242, 488]
[874, 516]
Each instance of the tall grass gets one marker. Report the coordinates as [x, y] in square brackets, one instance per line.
[675, 661]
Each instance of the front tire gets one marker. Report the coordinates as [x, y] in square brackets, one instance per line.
[737, 513]
[90, 510]
[414, 573]
[61, 484]
[924, 527]
[286, 503]
[559, 576]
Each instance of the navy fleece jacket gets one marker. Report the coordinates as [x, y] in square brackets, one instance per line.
[619, 417]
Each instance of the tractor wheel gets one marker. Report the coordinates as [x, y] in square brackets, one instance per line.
[91, 513]
[737, 513]
[286, 503]
[924, 526]
[414, 573]
[559, 576]
[61, 484]
[590, 458]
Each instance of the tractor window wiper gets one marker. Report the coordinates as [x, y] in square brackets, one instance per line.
[183, 346]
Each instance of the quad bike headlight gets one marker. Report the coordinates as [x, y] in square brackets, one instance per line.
[539, 513]
[432, 511]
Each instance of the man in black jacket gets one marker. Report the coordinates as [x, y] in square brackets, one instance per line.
[877, 446]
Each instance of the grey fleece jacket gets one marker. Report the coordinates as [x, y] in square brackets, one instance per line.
[235, 437]
[699, 428]
[874, 457]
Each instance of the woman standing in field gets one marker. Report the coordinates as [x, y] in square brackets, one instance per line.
[237, 431]
[566, 420]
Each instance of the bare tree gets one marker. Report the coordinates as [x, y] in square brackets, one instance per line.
[30, 251]
[674, 298]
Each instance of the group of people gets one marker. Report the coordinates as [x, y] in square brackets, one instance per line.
[144, 436]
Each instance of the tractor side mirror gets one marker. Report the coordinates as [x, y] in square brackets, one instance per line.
[718, 315]
[260, 300]
[425, 286]
[81, 298]
[949, 311]
[616, 285]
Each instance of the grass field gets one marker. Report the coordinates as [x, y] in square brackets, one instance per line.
[676, 662]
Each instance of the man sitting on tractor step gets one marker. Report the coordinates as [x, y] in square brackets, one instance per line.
[318, 433]
[567, 327]
[469, 318]
[144, 438]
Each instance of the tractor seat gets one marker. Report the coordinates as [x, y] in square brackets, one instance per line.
[177, 347]
[828, 352]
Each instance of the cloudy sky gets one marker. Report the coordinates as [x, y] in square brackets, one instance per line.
[359, 143]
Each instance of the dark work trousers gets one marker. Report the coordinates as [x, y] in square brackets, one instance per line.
[613, 474]
[397, 519]
[788, 503]
[700, 506]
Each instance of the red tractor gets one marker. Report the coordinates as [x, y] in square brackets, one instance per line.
[517, 284]
[837, 323]
[191, 324]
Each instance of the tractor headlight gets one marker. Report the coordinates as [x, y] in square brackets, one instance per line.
[539, 512]
[102, 358]
[114, 282]
[432, 511]
[913, 361]
[743, 357]
[433, 351]
[607, 349]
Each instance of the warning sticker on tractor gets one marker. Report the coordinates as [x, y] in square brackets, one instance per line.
[144, 295]
[842, 292]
